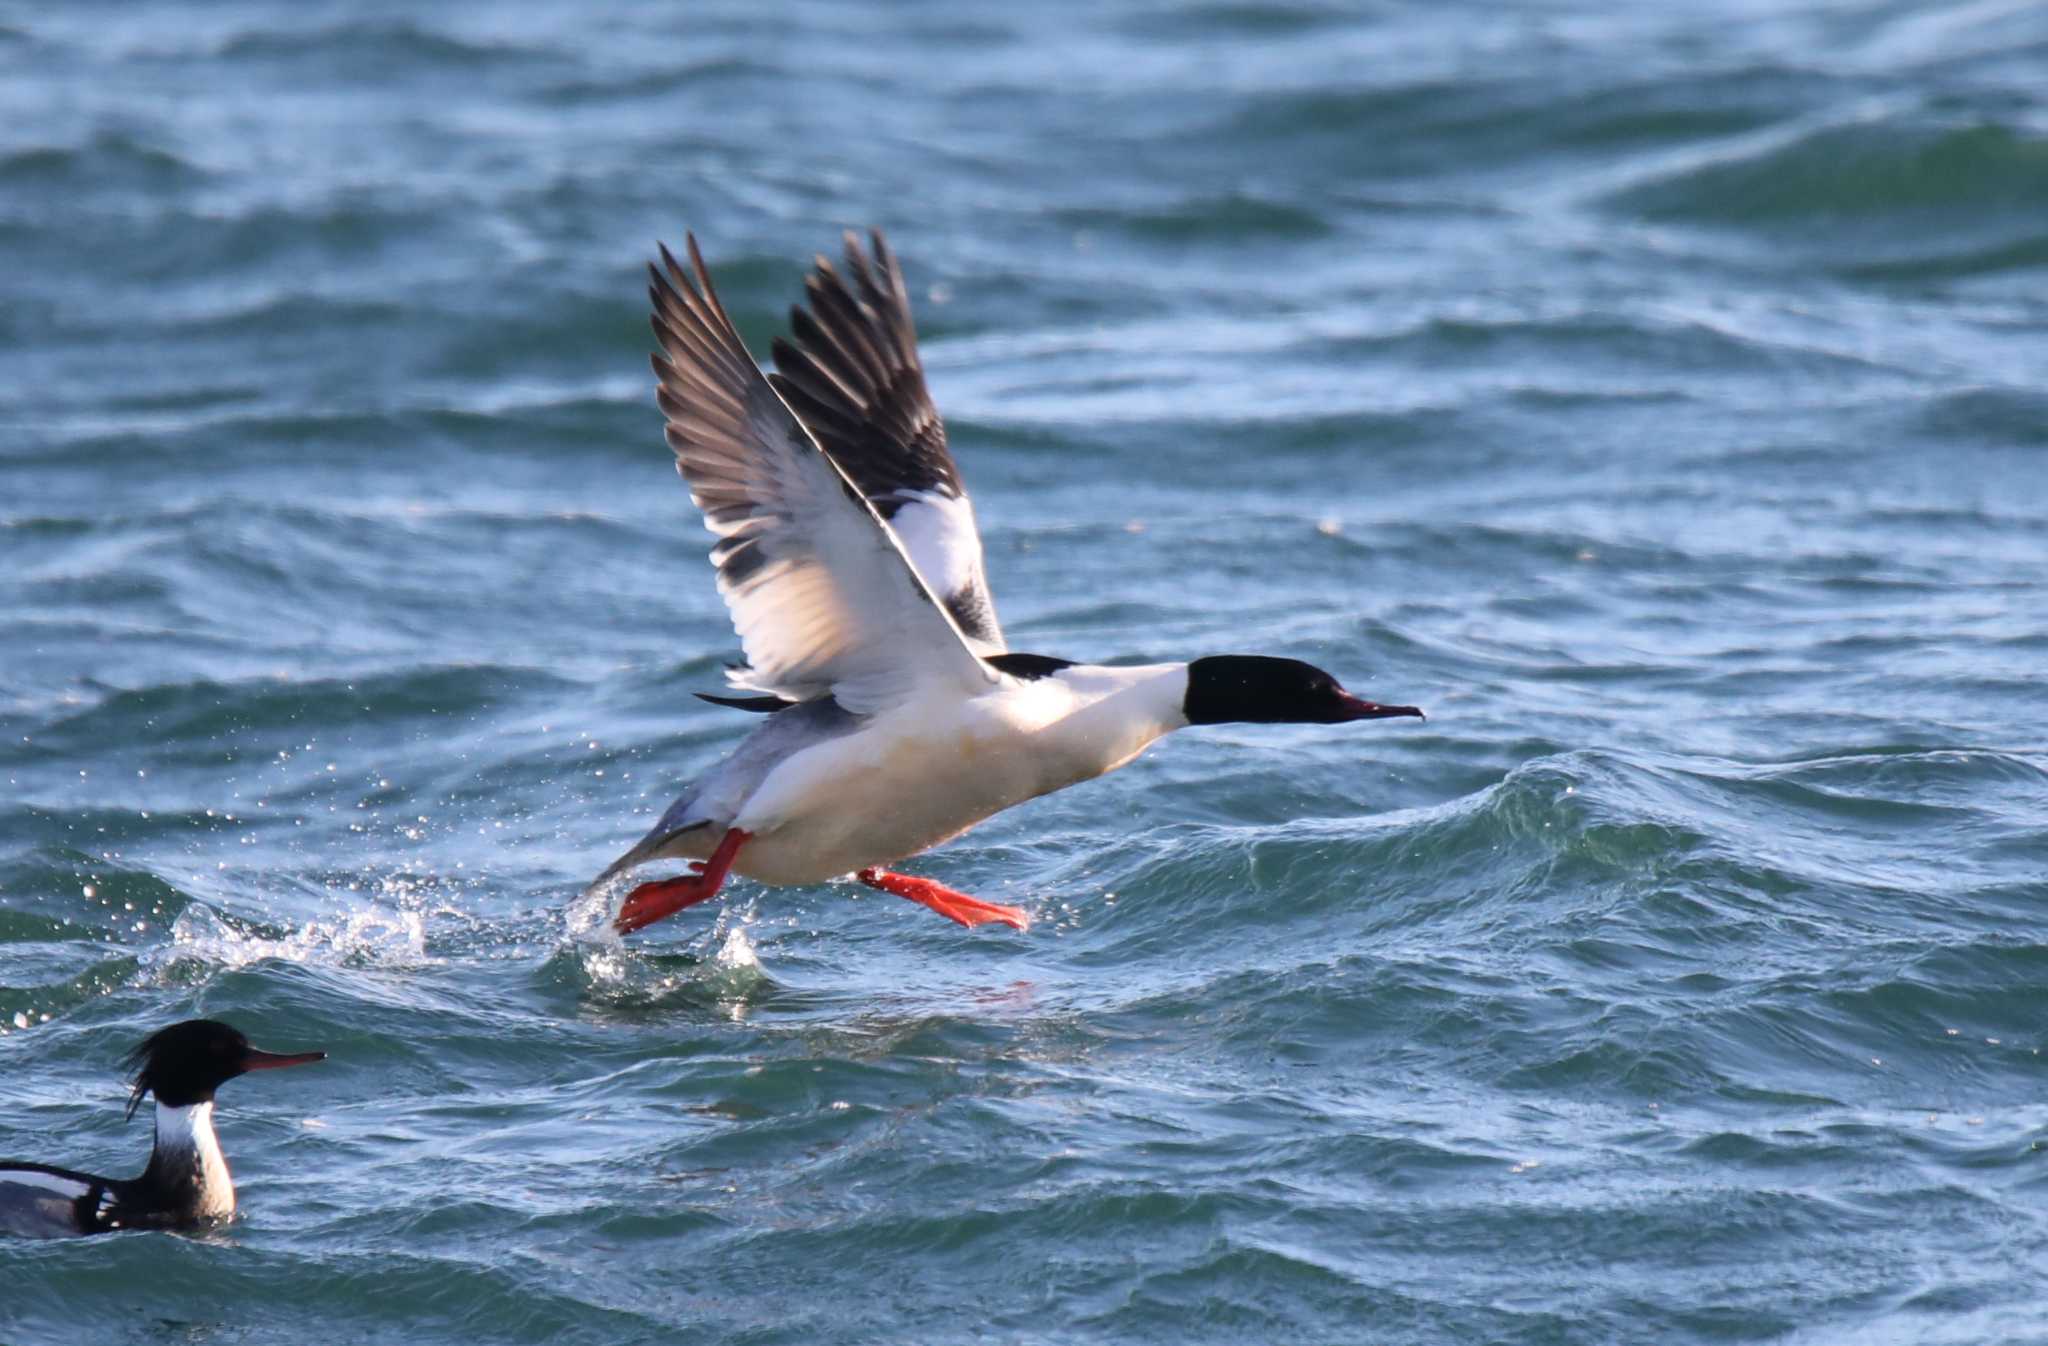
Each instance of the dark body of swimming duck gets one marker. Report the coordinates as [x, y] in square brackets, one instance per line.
[187, 1183]
[848, 555]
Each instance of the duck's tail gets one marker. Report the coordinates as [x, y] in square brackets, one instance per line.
[653, 846]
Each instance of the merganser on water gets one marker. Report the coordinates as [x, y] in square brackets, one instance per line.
[847, 553]
[187, 1182]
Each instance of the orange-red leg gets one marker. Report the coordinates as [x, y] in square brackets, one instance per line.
[651, 902]
[969, 911]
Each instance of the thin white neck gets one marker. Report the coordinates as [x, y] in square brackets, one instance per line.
[186, 1128]
[185, 1143]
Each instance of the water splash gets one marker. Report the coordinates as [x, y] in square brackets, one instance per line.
[588, 918]
[612, 973]
[737, 954]
[203, 941]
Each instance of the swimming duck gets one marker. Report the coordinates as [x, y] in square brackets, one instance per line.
[187, 1182]
[895, 716]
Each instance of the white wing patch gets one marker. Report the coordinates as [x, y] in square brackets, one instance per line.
[40, 1205]
[938, 531]
[852, 375]
[43, 1183]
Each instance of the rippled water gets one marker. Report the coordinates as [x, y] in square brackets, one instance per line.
[1654, 396]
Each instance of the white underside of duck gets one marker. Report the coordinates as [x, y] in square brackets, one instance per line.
[920, 773]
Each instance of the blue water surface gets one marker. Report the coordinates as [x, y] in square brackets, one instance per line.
[1653, 393]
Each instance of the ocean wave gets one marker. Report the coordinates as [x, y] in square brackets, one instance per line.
[252, 712]
[687, 77]
[1232, 217]
[1213, 19]
[1650, 393]
[1452, 126]
[1893, 199]
[108, 157]
[392, 45]
[1999, 416]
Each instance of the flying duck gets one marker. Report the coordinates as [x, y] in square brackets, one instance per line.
[187, 1181]
[894, 716]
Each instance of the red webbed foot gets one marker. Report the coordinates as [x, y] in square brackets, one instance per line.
[655, 901]
[954, 906]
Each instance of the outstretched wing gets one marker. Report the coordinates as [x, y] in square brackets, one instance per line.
[821, 593]
[853, 378]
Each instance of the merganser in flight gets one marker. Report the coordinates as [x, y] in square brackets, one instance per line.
[846, 549]
[187, 1181]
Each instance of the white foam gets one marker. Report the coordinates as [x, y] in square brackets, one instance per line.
[370, 936]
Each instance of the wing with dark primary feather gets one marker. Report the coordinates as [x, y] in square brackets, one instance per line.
[853, 377]
[821, 592]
